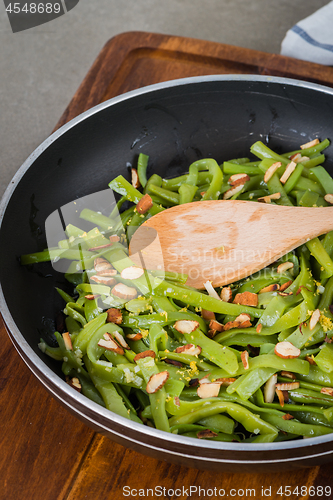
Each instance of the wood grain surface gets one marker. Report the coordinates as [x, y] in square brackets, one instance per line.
[45, 452]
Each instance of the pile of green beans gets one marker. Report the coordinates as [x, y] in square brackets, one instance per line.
[240, 412]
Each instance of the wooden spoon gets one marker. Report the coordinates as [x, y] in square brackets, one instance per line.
[224, 241]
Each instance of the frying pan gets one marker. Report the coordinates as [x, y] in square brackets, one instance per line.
[175, 123]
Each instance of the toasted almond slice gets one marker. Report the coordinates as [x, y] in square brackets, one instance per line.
[210, 390]
[315, 316]
[107, 273]
[287, 173]
[310, 360]
[287, 416]
[120, 339]
[124, 292]
[174, 362]
[232, 324]
[216, 326]
[258, 327]
[296, 157]
[134, 336]
[114, 315]
[157, 381]
[270, 288]
[285, 294]
[75, 383]
[225, 382]
[144, 204]
[285, 285]
[244, 319]
[211, 333]
[205, 380]
[271, 171]
[245, 359]
[234, 190]
[91, 296]
[114, 238]
[280, 395]
[269, 389]
[211, 290]
[327, 390]
[207, 314]
[100, 247]
[145, 354]
[190, 349]
[329, 198]
[288, 374]
[268, 198]
[135, 178]
[286, 350]
[101, 264]
[206, 433]
[67, 341]
[132, 273]
[186, 325]
[287, 386]
[303, 159]
[109, 343]
[104, 280]
[237, 179]
[310, 144]
[246, 299]
[284, 267]
[226, 294]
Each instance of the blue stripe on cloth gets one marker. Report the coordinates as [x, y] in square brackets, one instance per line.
[303, 34]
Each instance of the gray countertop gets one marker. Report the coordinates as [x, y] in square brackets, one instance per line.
[42, 67]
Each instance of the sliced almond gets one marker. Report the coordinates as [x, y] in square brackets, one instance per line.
[206, 434]
[269, 389]
[104, 280]
[270, 288]
[107, 273]
[258, 327]
[132, 273]
[145, 354]
[91, 296]
[226, 294]
[134, 336]
[114, 315]
[246, 299]
[286, 350]
[327, 390]
[280, 395]
[288, 375]
[216, 326]
[67, 341]
[174, 362]
[210, 390]
[205, 380]
[211, 333]
[310, 144]
[269, 197]
[114, 238]
[329, 198]
[271, 171]
[287, 173]
[144, 204]
[231, 192]
[75, 383]
[190, 349]
[135, 178]
[315, 316]
[284, 267]
[109, 343]
[156, 382]
[211, 290]
[296, 157]
[237, 179]
[124, 292]
[285, 285]
[225, 382]
[120, 339]
[231, 324]
[186, 325]
[287, 386]
[207, 314]
[245, 359]
[310, 360]
[287, 416]
[244, 319]
[101, 264]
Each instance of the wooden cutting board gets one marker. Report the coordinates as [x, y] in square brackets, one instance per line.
[45, 452]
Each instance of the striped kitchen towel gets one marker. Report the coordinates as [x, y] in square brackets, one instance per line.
[312, 38]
